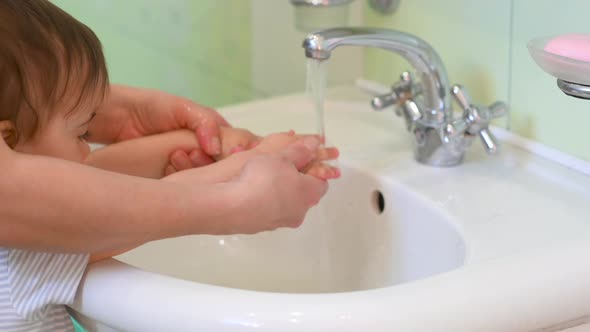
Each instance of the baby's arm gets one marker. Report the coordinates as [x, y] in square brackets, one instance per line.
[224, 170]
[149, 156]
[146, 157]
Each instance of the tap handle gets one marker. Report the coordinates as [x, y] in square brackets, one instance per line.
[461, 96]
[477, 118]
[488, 140]
[379, 103]
[411, 110]
[482, 113]
[498, 109]
[453, 129]
[495, 110]
[400, 92]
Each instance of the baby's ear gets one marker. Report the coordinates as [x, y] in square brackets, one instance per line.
[9, 133]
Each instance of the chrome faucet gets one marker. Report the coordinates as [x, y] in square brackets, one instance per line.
[441, 139]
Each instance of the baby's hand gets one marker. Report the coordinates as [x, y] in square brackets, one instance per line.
[232, 140]
[278, 142]
[235, 140]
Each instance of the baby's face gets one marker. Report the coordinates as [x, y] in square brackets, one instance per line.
[64, 134]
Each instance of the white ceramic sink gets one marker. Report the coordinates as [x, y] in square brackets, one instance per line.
[367, 233]
[497, 244]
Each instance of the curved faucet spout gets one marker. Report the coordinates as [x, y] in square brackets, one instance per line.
[417, 52]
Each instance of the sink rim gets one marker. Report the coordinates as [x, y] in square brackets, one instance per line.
[350, 311]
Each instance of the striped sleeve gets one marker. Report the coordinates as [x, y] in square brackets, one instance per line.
[39, 280]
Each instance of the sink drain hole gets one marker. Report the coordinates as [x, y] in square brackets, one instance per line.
[378, 201]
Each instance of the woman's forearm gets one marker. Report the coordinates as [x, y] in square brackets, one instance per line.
[146, 156]
[55, 205]
[99, 256]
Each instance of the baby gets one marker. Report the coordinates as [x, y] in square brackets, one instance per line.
[53, 78]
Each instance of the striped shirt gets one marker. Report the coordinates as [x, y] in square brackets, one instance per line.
[35, 287]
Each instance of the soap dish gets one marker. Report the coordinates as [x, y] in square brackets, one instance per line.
[563, 68]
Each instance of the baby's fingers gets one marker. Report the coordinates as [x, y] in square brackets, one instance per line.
[169, 170]
[327, 154]
[330, 153]
[323, 171]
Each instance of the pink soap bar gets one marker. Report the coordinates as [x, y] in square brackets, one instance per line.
[574, 46]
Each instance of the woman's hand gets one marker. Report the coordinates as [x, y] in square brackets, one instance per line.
[232, 140]
[274, 191]
[134, 112]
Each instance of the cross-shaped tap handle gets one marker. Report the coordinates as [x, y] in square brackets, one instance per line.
[476, 118]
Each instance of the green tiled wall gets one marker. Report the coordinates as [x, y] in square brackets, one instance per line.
[198, 49]
[210, 51]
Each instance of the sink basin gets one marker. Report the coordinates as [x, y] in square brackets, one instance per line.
[491, 245]
[367, 233]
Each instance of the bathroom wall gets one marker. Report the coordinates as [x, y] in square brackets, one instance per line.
[214, 51]
[199, 49]
[218, 52]
[278, 61]
[483, 44]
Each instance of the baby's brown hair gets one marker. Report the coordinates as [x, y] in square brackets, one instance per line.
[48, 59]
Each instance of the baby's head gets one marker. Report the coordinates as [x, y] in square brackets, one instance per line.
[53, 77]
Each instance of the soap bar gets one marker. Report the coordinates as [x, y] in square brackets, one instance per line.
[574, 46]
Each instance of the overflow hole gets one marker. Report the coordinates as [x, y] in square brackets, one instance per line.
[378, 201]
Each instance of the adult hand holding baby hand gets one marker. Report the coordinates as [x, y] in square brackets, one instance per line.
[268, 186]
[130, 112]
[284, 194]
[317, 167]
